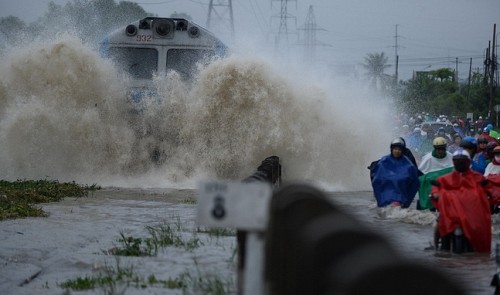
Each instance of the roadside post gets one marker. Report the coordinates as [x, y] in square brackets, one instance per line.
[291, 208]
[243, 206]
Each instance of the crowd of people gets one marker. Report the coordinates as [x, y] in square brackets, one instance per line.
[456, 174]
[419, 133]
[405, 123]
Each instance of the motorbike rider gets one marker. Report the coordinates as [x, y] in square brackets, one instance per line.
[427, 139]
[492, 174]
[478, 160]
[434, 164]
[482, 143]
[394, 177]
[489, 151]
[487, 134]
[415, 140]
[442, 133]
[463, 206]
[455, 144]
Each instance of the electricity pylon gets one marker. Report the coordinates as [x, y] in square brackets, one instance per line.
[218, 11]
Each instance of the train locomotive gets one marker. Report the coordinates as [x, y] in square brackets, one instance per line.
[156, 45]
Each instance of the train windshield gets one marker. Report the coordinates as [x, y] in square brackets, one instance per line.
[185, 61]
[140, 63]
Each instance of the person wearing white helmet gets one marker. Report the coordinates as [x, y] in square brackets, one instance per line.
[460, 198]
[494, 166]
[434, 164]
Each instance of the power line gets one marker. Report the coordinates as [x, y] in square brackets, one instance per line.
[170, 1]
[153, 3]
[256, 15]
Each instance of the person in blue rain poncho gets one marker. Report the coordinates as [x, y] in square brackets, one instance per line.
[394, 178]
[415, 139]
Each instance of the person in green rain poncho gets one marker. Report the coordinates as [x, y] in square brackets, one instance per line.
[494, 134]
[434, 164]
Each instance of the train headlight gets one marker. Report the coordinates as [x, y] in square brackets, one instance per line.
[181, 25]
[144, 25]
[194, 32]
[163, 28]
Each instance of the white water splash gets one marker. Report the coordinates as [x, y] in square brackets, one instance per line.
[65, 115]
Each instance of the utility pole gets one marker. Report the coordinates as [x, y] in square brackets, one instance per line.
[492, 67]
[219, 10]
[396, 56]
[470, 78]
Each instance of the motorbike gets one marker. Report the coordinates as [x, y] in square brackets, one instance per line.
[456, 242]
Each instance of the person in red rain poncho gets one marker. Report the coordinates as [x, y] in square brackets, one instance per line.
[461, 200]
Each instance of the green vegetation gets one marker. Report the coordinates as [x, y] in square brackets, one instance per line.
[112, 14]
[189, 200]
[217, 232]
[133, 247]
[435, 92]
[160, 236]
[18, 198]
[113, 278]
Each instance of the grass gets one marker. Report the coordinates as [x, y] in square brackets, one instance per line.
[114, 280]
[160, 236]
[217, 232]
[18, 198]
[189, 200]
[109, 280]
[133, 247]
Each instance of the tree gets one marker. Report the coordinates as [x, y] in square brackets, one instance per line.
[476, 94]
[88, 19]
[375, 64]
[443, 74]
[433, 91]
[12, 30]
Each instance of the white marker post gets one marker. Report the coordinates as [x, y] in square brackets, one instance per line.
[244, 206]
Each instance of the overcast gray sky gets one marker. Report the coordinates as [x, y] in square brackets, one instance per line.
[431, 33]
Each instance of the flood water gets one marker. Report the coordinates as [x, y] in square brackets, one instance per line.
[38, 254]
[64, 115]
[410, 232]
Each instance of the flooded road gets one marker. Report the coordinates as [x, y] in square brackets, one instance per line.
[38, 254]
[411, 231]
